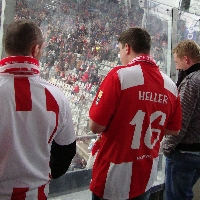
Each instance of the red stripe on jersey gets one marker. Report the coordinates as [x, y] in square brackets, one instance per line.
[19, 193]
[139, 179]
[52, 105]
[22, 94]
[18, 59]
[41, 193]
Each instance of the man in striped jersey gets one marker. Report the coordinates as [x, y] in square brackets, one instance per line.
[136, 105]
[35, 119]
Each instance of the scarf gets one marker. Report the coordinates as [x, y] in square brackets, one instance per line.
[19, 65]
[143, 58]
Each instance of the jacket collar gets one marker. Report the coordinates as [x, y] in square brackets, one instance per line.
[193, 68]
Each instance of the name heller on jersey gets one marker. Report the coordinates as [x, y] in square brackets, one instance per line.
[151, 96]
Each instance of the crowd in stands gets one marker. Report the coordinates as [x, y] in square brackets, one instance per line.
[81, 34]
[81, 46]
[81, 43]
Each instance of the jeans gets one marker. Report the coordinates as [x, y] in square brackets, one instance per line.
[182, 172]
[144, 196]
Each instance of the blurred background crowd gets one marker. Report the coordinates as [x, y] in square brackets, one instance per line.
[81, 46]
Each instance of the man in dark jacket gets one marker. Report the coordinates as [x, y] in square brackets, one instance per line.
[183, 150]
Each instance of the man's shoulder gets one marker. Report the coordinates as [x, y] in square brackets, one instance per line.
[114, 71]
[116, 68]
[192, 80]
[53, 89]
[121, 67]
[195, 76]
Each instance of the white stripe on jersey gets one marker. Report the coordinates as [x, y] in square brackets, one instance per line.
[118, 173]
[168, 84]
[130, 77]
[153, 174]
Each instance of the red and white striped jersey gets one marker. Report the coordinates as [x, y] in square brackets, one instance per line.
[136, 103]
[33, 113]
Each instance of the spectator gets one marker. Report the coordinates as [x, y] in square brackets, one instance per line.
[135, 106]
[183, 151]
[88, 86]
[35, 114]
[83, 163]
[85, 77]
[93, 89]
[75, 89]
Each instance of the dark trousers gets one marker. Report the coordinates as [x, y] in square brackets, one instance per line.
[182, 172]
[144, 196]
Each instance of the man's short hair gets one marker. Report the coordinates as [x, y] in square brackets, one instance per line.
[188, 48]
[21, 36]
[137, 38]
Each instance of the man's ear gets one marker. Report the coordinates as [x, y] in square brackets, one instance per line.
[35, 50]
[128, 48]
[187, 59]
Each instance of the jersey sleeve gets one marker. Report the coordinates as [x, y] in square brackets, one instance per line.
[175, 120]
[66, 134]
[104, 104]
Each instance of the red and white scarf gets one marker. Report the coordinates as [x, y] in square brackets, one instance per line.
[143, 58]
[19, 65]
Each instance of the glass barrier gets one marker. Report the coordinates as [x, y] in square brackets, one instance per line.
[0, 13]
[0, 10]
[188, 27]
[158, 21]
[81, 48]
[194, 7]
